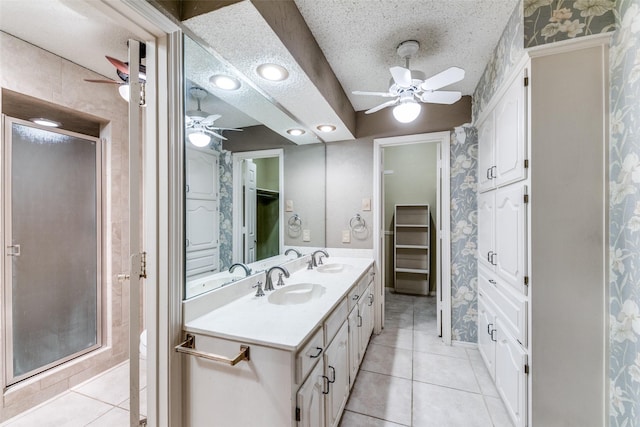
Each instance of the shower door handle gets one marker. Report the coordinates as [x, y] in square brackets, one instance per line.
[15, 250]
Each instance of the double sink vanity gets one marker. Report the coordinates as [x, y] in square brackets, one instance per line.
[281, 357]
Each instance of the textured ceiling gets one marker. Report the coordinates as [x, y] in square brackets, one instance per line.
[359, 38]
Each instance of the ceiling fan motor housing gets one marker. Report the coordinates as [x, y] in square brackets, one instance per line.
[407, 48]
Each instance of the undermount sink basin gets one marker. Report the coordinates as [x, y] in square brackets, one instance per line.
[332, 268]
[298, 293]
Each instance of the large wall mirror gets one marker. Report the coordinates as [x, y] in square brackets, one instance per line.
[250, 190]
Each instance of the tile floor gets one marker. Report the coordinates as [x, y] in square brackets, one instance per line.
[102, 401]
[407, 378]
[410, 378]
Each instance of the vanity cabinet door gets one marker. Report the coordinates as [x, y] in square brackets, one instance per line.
[486, 230]
[365, 322]
[487, 333]
[511, 375]
[201, 175]
[310, 400]
[336, 363]
[486, 140]
[511, 235]
[354, 345]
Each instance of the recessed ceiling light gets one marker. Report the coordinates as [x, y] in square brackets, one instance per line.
[222, 81]
[326, 128]
[45, 122]
[273, 72]
[295, 132]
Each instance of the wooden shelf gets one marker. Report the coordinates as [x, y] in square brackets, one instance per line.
[412, 249]
[412, 270]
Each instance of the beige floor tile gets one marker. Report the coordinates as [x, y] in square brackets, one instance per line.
[429, 342]
[394, 337]
[381, 396]
[116, 417]
[445, 371]
[143, 402]
[487, 387]
[436, 406]
[388, 360]
[352, 419]
[68, 410]
[111, 387]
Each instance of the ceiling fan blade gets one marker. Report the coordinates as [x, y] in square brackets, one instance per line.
[120, 66]
[401, 76]
[442, 79]
[381, 106]
[385, 94]
[217, 135]
[441, 97]
[113, 82]
[210, 119]
[217, 128]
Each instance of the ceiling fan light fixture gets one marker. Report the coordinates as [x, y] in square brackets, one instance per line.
[199, 139]
[295, 132]
[407, 111]
[222, 81]
[45, 122]
[123, 90]
[326, 128]
[272, 72]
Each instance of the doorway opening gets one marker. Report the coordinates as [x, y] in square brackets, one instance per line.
[432, 193]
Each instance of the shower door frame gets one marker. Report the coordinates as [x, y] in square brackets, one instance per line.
[7, 291]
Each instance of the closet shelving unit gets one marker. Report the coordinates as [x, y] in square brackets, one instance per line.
[411, 249]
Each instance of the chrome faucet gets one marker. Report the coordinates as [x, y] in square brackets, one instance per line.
[288, 251]
[314, 262]
[269, 282]
[247, 270]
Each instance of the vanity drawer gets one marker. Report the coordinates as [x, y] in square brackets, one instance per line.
[309, 355]
[335, 321]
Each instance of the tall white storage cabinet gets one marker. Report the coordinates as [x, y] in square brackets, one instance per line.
[411, 249]
[202, 212]
[542, 238]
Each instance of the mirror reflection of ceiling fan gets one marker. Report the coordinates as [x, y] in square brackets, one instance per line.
[200, 125]
[122, 69]
[409, 87]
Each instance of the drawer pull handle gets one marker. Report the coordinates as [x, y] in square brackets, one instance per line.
[188, 346]
[334, 374]
[315, 356]
[489, 255]
[493, 254]
[355, 297]
[489, 326]
[370, 300]
[492, 337]
[359, 321]
[493, 282]
[326, 383]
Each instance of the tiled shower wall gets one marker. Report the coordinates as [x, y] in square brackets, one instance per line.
[32, 71]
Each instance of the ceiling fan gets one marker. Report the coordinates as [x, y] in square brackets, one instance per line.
[200, 125]
[410, 86]
[122, 69]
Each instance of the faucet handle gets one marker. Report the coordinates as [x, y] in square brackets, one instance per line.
[320, 259]
[310, 264]
[280, 281]
[259, 292]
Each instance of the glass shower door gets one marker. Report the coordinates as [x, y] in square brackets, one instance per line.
[52, 247]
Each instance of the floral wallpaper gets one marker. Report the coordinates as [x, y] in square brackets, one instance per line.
[505, 56]
[225, 166]
[464, 234]
[624, 213]
[548, 21]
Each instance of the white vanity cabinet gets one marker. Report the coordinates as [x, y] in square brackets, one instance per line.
[288, 381]
[542, 237]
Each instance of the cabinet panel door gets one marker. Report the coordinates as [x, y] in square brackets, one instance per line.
[511, 379]
[364, 329]
[310, 399]
[510, 235]
[201, 175]
[486, 324]
[336, 360]
[510, 139]
[486, 229]
[202, 224]
[486, 136]
[354, 345]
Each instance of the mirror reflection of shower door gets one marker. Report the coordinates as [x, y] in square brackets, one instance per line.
[250, 211]
[52, 247]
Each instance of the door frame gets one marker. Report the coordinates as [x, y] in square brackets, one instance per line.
[444, 235]
[238, 158]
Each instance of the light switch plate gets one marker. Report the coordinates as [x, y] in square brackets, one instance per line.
[306, 235]
[366, 204]
[346, 236]
[288, 206]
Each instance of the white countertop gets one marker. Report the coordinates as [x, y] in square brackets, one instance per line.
[254, 320]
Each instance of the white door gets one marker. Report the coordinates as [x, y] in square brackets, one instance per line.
[510, 141]
[336, 359]
[310, 400]
[510, 235]
[486, 333]
[486, 229]
[486, 153]
[511, 378]
[250, 209]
